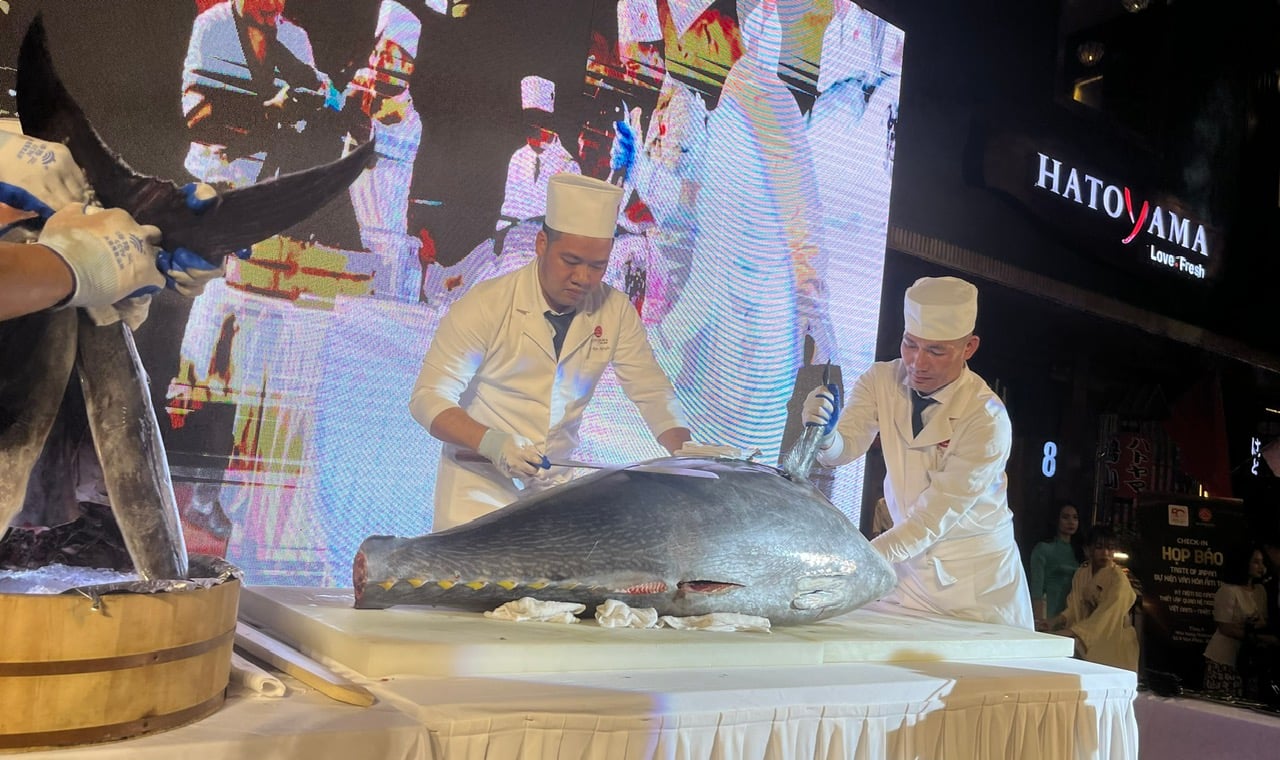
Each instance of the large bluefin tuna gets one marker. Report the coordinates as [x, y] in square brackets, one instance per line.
[754, 540]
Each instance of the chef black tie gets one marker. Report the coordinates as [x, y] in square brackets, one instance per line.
[918, 405]
[559, 323]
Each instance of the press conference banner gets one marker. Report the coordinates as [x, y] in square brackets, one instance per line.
[1183, 543]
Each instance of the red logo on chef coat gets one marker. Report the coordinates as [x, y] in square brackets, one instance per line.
[599, 342]
[944, 444]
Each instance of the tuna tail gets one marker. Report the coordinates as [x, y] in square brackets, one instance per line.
[38, 350]
[236, 220]
[127, 438]
[800, 459]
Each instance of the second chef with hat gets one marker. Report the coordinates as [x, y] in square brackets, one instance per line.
[515, 361]
[946, 438]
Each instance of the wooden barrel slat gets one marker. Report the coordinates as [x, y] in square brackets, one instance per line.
[67, 737]
[99, 664]
[74, 673]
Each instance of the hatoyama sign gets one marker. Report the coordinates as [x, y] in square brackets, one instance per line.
[1163, 234]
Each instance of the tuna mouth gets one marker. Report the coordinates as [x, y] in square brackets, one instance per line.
[707, 587]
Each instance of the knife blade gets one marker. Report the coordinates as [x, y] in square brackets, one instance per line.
[665, 469]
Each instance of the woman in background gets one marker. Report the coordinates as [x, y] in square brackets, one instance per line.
[1054, 563]
[1097, 611]
[1239, 608]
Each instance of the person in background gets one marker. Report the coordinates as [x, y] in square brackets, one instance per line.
[515, 361]
[1097, 608]
[542, 156]
[1053, 564]
[1271, 553]
[946, 438]
[1240, 611]
[249, 85]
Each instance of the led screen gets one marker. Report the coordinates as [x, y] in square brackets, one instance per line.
[751, 237]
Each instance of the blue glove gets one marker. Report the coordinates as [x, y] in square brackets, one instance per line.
[186, 272]
[334, 99]
[12, 195]
[622, 155]
[199, 196]
[822, 408]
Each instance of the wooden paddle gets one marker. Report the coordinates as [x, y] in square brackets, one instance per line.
[291, 661]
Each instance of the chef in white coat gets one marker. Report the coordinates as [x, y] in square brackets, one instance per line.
[515, 361]
[946, 438]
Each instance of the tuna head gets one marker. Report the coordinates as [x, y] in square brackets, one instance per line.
[751, 540]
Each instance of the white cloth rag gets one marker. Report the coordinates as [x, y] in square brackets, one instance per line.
[717, 621]
[616, 614]
[528, 609]
[255, 678]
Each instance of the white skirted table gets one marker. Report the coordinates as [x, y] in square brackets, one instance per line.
[1002, 709]
[877, 683]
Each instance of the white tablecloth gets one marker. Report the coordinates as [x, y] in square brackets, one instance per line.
[304, 725]
[1040, 708]
[1055, 708]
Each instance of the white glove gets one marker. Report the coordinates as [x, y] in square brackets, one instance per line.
[819, 407]
[132, 311]
[110, 255]
[514, 455]
[39, 176]
[191, 282]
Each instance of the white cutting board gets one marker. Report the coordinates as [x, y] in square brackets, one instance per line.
[322, 623]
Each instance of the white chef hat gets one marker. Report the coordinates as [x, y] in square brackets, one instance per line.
[940, 308]
[685, 12]
[539, 93]
[580, 205]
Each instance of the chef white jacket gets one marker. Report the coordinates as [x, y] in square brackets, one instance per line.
[1098, 614]
[215, 57]
[528, 173]
[493, 357]
[952, 541]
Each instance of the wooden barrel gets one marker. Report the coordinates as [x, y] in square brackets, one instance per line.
[73, 671]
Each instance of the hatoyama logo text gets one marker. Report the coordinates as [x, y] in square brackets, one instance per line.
[1118, 202]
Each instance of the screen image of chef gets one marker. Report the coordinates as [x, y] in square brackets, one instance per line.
[752, 225]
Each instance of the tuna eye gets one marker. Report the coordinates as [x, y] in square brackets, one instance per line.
[707, 587]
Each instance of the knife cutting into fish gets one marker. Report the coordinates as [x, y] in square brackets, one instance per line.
[121, 417]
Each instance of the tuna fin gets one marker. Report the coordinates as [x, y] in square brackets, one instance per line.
[236, 220]
[127, 438]
[707, 587]
[817, 592]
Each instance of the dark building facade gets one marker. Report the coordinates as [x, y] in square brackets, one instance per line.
[1106, 172]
